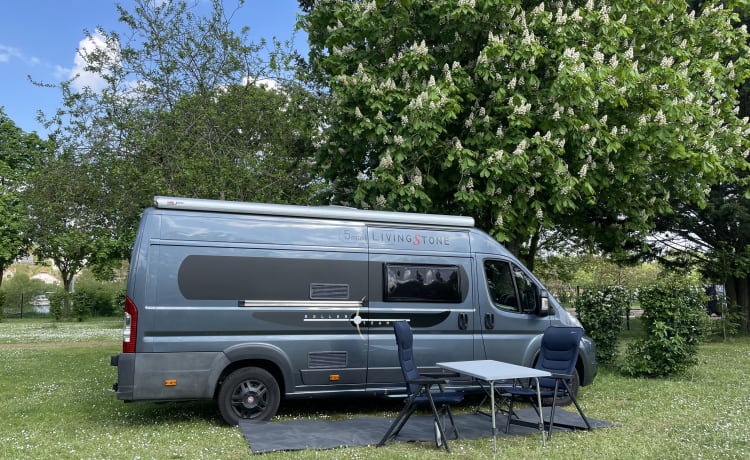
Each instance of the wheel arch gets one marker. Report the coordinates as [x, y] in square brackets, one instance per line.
[264, 356]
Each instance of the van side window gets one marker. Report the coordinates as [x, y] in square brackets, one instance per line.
[421, 283]
[510, 288]
[500, 285]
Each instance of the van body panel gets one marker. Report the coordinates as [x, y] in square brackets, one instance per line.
[174, 376]
[309, 294]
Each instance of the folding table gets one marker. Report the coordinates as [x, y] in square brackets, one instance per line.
[491, 371]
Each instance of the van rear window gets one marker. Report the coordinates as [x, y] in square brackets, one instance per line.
[421, 283]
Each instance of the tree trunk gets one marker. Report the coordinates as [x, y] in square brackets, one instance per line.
[738, 293]
[67, 279]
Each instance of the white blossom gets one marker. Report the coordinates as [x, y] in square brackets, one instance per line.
[660, 118]
[416, 177]
[386, 161]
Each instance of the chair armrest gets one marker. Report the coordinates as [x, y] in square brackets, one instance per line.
[561, 376]
[440, 375]
[428, 381]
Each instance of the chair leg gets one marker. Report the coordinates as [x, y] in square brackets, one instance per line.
[552, 411]
[438, 422]
[447, 410]
[399, 422]
[510, 412]
[578, 407]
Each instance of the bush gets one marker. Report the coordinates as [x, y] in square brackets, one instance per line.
[56, 300]
[601, 313]
[675, 323]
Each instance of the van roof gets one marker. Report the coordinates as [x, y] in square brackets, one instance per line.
[319, 212]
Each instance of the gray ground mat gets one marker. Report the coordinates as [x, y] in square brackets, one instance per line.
[361, 431]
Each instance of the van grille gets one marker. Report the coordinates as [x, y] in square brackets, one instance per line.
[326, 359]
[320, 291]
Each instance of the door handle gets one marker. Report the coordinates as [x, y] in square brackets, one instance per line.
[463, 321]
[489, 321]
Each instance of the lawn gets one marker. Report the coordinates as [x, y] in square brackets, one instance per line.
[56, 402]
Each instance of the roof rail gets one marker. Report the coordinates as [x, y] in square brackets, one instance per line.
[318, 212]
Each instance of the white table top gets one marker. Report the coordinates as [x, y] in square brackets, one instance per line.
[490, 370]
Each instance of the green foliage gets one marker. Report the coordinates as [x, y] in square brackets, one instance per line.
[17, 152]
[186, 106]
[56, 304]
[19, 291]
[95, 298]
[527, 117]
[729, 322]
[566, 276]
[82, 303]
[601, 312]
[675, 322]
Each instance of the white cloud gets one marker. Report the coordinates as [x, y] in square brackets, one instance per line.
[267, 83]
[8, 53]
[81, 77]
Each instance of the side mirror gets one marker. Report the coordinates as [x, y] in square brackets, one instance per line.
[542, 309]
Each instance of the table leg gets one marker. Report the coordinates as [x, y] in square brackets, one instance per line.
[541, 411]
[492, 408]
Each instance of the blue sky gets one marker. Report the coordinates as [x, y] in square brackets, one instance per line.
[40, 38]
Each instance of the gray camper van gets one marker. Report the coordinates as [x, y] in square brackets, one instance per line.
[249, 303]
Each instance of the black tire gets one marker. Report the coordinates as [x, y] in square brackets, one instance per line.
[250, 393]
[575, 383]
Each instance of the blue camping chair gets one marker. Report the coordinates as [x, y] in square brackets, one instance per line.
[419, 391]
[558, 355]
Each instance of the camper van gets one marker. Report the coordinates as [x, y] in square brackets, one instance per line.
[249, 303]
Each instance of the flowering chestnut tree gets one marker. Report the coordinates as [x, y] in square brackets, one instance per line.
[585, 115]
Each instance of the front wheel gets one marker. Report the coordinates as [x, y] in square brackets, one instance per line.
[250, 393]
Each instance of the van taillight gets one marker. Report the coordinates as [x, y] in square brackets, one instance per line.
[130, 328]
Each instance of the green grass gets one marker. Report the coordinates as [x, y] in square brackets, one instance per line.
[56, 402]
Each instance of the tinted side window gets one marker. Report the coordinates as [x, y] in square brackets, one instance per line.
[421, 283]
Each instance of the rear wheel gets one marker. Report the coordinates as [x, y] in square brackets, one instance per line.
[250, 393]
